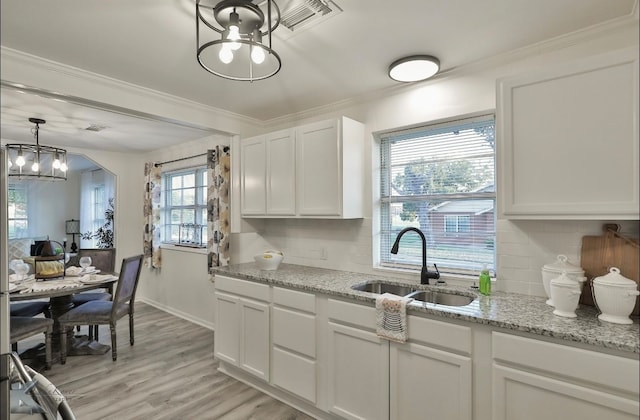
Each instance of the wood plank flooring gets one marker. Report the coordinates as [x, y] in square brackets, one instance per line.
[170, 373]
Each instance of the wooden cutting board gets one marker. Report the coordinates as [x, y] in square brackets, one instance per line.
[599, 253]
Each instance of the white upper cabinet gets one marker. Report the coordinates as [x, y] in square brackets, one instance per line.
[330, 156]
[253, 196]
[281, 173]
[568, 142]
[310, 171]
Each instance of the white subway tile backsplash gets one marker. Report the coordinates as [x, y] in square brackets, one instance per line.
[513, 261]
[523, 247]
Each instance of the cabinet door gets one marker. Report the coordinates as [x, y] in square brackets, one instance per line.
[429, 383]
[281, 173]
[254, 338]
[358, 373]
[226, 346]
[253, 172]
[521, 395]
[568, 141]
[319, 188]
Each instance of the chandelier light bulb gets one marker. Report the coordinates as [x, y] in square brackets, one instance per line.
[35, 167]
[234, 31]
[20, 159]
[56, 162]
[257, 55]
[226, 54]
[63, 167]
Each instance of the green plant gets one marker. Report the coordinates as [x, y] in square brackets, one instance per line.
[104, 234]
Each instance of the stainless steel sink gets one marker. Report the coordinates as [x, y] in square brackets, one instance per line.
[380, 288]
[437, 297]
[441, 298]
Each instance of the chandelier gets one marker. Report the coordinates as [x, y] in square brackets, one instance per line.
[35, 160]
[240, 46]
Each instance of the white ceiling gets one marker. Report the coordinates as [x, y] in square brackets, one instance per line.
[151, 43]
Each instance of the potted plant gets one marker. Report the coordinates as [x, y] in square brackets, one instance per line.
[104, 234]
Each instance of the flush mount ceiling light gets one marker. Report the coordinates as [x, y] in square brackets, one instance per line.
[414, 68]
[240, 46]
[45, 162]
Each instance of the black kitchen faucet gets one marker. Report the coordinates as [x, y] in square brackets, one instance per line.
[425, 274]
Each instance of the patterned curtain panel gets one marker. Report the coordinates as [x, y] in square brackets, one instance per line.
[151, 234]
[218, 217]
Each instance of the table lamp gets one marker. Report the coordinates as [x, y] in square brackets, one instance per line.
[73, 228]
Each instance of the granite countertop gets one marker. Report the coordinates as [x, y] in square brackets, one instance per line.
[505, 310]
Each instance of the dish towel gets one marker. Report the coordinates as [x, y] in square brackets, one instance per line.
[391, 317]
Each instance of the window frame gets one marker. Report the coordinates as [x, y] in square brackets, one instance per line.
[199, 205]
[384, 210]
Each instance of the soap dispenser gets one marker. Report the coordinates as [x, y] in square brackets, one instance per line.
[485, 281]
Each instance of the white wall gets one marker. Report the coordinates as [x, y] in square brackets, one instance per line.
[522, 247]
[51, 203]
[182, 285]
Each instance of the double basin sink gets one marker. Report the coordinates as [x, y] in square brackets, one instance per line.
[437, 297]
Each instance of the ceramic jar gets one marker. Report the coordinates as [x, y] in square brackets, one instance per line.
[565, 293]
[615, 296]
[553, 270]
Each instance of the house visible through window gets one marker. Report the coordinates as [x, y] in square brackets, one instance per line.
[440, 178]
[18, 211]
[185, 202]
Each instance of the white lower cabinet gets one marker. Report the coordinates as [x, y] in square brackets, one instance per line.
[322, 355]
[293, 352]
[431, 375]
[427, 382]
[357, 362]
[534, 379]
[358, 373]
[242, 325]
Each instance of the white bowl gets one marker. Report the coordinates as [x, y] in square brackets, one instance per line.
[269, 260]
[615, 296]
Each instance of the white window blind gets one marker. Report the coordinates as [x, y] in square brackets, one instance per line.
[440, 179]
[185, 201]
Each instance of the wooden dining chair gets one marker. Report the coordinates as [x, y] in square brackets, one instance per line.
[102, 312]
[21, 327]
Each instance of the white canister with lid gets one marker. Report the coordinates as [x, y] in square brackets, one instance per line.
[553, 270]
[615, 296]
[565, 293]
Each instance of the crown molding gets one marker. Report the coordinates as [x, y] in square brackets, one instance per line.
[11, 57]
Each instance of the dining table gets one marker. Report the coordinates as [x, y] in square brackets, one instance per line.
[59, 291]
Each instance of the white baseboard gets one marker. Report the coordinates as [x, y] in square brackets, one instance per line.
[208, 325]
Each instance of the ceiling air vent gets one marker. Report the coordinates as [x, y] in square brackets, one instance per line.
[95, 127]
[297, 14]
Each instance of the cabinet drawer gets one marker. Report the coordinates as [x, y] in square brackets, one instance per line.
[441, 334]
[294, 373]
[351, 313]
[559, 360]
[243, 288]
[294, 330]
[294, 299]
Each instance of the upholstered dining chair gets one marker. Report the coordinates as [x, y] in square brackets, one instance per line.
[103, 312]
[21, 327]
[33, 308]
[103, 259]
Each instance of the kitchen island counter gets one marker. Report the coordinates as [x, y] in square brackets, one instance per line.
[517, 312]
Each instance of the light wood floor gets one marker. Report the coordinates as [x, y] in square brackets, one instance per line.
[169, 373]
